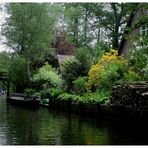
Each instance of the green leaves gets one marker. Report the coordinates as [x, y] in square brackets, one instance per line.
[131, 76]
[138, 56]
[4, 61]
[48, 75]
[66, 97]
[28, 29]
[70, 70]
[79, 85]
[18, 72]
[101, 97]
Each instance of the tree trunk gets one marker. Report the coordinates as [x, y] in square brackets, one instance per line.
[76, 31]
[85, 27]
[115, 34]
[98, 36]
[115, 38]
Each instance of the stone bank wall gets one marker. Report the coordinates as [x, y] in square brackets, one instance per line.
[132, 96]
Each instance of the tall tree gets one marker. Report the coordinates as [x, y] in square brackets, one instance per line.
[72, 16]
[83, 23]
[115, 17]
[28, 30]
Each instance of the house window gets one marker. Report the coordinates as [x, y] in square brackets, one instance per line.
[144, 29]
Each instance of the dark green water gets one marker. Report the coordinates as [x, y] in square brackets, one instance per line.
[22, 126]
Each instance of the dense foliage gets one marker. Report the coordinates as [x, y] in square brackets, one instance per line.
[79, 85]
[108, 70]
[86, 58]
[4, 61]
[138, 56]
[28, 31]
[48, 75]
[71, 70]
[18, 73]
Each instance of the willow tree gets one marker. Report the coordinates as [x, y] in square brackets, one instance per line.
[28, 30]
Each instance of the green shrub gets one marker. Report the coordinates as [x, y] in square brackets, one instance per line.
[138, 55]
[45, 93]
[18, 73]
[107, 71]
[55, 92]
[48, 75]
[131, 76]
[45, 101]
[146, 72]
[71, 70]
[101, 97]
[79, 85]
[84, 56]
[111, 74]
[66, 97]
[51, 92]
[29, 92]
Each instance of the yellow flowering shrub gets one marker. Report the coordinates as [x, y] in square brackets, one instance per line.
[108, 67]
[111, 57]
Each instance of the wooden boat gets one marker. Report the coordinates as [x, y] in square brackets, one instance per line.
[22, 99]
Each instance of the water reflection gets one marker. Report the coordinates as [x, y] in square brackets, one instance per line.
[23, 126]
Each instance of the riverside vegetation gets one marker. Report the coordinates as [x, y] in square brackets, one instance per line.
[94, 87]
[36, 39]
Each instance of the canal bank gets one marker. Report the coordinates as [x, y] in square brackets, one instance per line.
[128, 101]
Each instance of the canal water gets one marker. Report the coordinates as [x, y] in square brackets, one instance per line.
[24, 126]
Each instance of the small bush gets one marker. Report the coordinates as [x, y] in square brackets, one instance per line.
[51, 93]
[55, 92]
[131, 76]
[18, 73]
[66, 97]
[112, 73]
[48, 75]
[84, 56]
[71, 70]
[29, 92]
[45, 94]
[146, 72]
[109, 69]
[45, 101]
[100, 97]
[79, 85]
